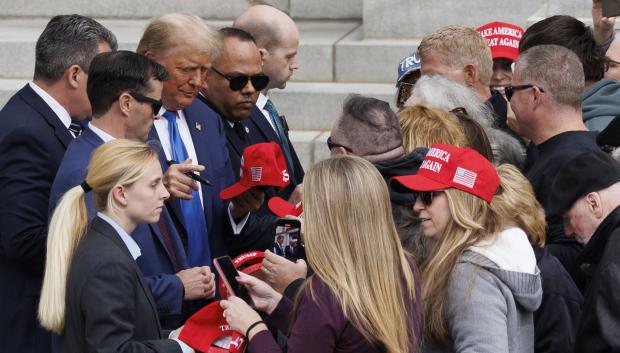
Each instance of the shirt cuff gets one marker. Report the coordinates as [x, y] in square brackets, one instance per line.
[236, 226]
[184, 347]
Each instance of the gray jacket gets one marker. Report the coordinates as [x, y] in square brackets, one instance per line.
[489, 309]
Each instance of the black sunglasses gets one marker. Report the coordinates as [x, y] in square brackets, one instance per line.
[155, 103]
[426, 197]
[510, 90]
[331, 145]
[237, 82]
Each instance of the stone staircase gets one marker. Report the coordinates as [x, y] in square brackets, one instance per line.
[346, 46]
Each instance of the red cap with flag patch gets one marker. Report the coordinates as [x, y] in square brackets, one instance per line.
[447, 166]
[207, 331]
[262, 164]
[283, 208]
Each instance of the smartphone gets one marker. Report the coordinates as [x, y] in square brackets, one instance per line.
[228, 273]
[611, 8]
[286, 230]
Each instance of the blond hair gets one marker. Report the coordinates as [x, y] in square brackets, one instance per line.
[472, 221]
[171, 30]
[457, 46]
[118, 162]
[347, 211]
[422, 126]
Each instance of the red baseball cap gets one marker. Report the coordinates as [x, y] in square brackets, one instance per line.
[283, 208]
[250, 263]
[447, 166]
[206, 327]
[262, 164]
[503, 39]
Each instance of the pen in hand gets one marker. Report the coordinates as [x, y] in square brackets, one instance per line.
[192, 175]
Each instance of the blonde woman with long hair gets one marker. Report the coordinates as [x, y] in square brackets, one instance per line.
[364, 295]
[480, 283]
[93, 293]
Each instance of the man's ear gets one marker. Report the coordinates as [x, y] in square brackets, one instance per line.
[595, 204]
[470, 73]
[263, 54]
[124, 103]
[73, 75]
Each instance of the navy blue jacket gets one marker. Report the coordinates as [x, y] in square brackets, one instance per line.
[33, 141]
[155, 262]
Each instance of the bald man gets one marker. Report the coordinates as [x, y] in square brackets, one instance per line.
[277, 39]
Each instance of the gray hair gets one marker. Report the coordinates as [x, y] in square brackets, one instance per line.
[68, 40]
[443, 93]
[370, 128]
[557, 70]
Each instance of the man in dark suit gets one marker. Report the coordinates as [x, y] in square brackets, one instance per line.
[194, 137]
[34, 134]
[234, 81]
[124, 89]
[277, 38]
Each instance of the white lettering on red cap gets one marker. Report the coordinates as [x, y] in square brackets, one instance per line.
[285, 176]
[225, 328]
[431, 165]
[439, 154]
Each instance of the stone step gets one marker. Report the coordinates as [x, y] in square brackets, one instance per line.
[308, 106]
[317, 40]
[210, 9]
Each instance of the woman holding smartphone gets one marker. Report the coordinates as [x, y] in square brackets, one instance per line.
[480, 285]
[365, 293]
[93, 293]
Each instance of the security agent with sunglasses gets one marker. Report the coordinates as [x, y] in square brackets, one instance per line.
[277, 39]
[193, 135]
[233, 83]
[125, 92]
[546, 98]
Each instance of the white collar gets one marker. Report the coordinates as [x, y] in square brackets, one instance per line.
[130, 243]
[261, 101]
[510, 250]
[58, 109]
[102, 134]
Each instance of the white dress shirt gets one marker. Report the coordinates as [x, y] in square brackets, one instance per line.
[161, 126]
[260, 104]
[102, 134]
[58, 109]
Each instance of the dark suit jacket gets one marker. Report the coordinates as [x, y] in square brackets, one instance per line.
[32, 143]
[261, 131]
[259, 235]
[210, 143]
[109, 307]
[156, 262]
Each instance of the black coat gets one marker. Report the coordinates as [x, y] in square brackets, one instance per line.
[109, 306]
[599, 328]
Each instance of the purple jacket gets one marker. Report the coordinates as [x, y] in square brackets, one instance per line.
[319, 324]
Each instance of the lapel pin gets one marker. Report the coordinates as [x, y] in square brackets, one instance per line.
[198, 126]
[247, 130]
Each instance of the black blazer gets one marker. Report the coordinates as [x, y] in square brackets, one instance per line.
[33, 141]
[109, 307]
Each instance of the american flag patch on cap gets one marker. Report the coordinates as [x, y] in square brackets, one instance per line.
[257, 173]
[465, 177]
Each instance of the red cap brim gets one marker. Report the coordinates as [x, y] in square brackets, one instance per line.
[283, 208]
[233, 191]
[418, 182]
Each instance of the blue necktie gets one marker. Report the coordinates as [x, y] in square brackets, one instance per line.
[277, 122]
[198, 252]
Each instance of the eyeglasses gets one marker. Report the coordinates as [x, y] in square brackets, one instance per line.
[155, 103]
[510, 90]
[426, 197]
[237, 82]
[331, 145]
